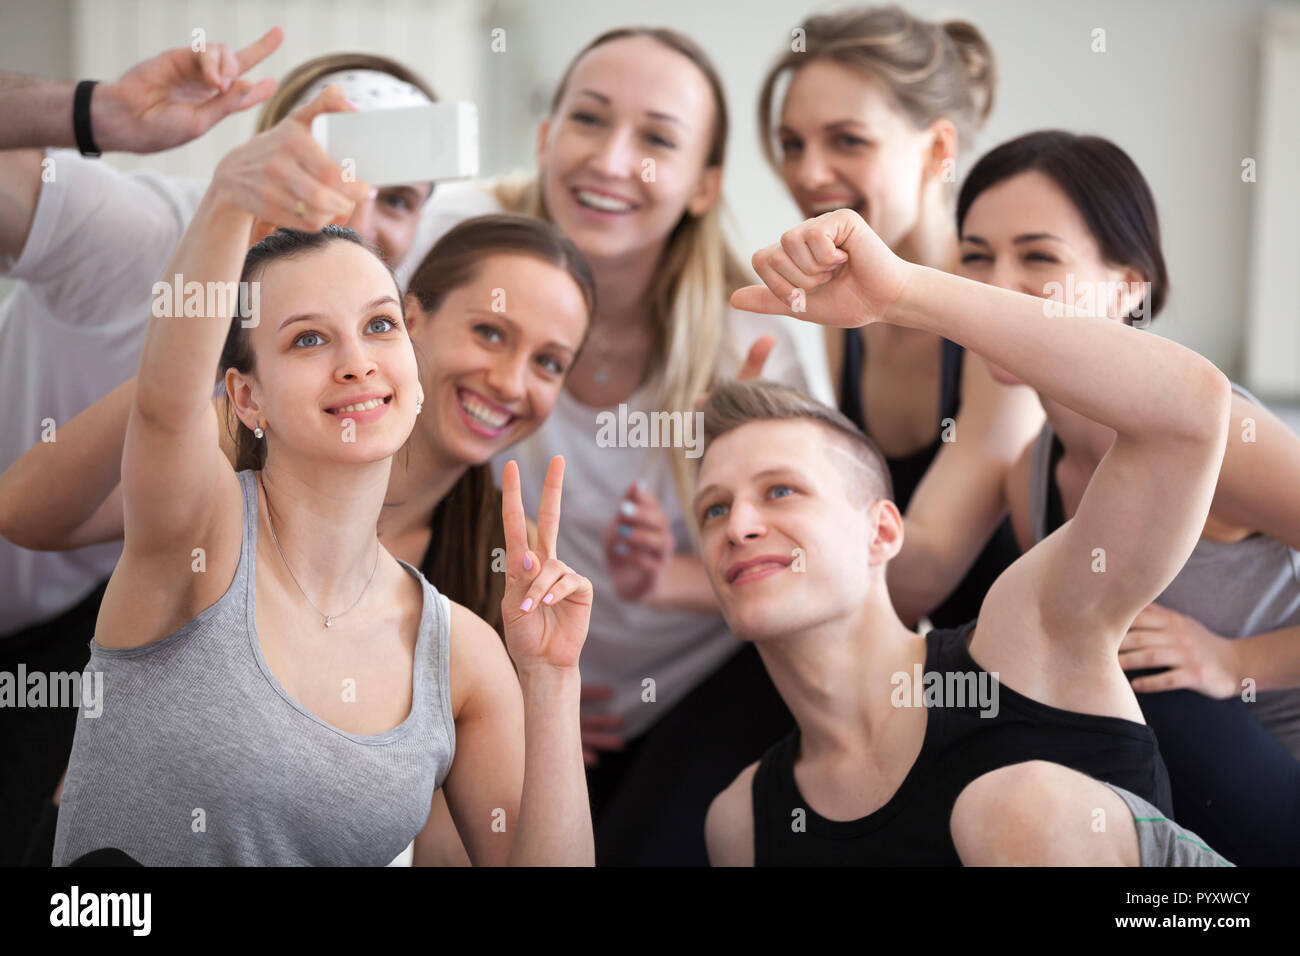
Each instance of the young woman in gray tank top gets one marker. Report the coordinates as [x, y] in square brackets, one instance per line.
[278, 688]
[1216, 658]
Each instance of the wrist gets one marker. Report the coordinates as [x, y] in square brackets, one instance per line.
[906, 307]
[655, 596]
[220, 203]
[543, 680]
[1235, 662]
[109, 119]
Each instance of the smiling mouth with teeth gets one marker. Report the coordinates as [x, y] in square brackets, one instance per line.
[360, 406]
[480, 413]
[601, 203]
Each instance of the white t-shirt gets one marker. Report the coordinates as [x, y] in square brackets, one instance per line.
[71, 331]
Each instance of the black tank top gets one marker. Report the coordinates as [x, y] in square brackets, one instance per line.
[911, 829]
[1055, 509]
[963, 604]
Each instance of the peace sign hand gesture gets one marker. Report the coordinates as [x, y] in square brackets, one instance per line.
[547, 605]
[179, 95]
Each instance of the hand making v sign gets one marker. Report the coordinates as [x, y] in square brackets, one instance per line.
[547, 605]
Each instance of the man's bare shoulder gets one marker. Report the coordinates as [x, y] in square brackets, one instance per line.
[729, 825]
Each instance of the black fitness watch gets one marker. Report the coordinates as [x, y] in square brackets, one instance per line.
[81, 118]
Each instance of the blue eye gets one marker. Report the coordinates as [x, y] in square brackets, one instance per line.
[775, 488]
[389, 324]
[298, 342]
[397, 199]
[714, 511]
[489, 332]
[852, 141]
[554, 366]
[587, 119]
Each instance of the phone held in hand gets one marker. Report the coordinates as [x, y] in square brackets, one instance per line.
[411, 144]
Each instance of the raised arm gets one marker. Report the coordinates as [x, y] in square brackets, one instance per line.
[159, 104]
[177, 489]
[1146, 503]
[1257, 493]
[960, 501]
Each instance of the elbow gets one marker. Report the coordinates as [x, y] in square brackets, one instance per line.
[12, 526]
[1208, 407]
[17, 531]
[9, 527]
[155, 408]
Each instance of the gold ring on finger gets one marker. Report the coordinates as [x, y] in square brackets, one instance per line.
[301, 209]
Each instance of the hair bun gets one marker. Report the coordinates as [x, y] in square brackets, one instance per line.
[981, 65]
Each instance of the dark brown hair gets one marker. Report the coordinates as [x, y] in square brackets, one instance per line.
[467, 528]
[931, 70]
[1106, 187]
[455, 258]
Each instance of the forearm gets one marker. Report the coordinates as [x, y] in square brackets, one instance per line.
[1270, 659]
[684, 586]
[554, 810]
[180, 356]
[57, 485]
[38, 113]
[1137, 383]
[919, 576]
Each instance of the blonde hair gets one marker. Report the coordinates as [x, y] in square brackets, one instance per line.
[931, 70]
[734, 404]
[698, 270]
[297, 80]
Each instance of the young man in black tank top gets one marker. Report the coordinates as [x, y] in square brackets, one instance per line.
[1016, 738]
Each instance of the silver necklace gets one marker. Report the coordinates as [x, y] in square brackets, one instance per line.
[329, 618]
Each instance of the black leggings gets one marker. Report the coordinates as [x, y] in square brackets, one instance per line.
[35, 742]
[1233, 784]
[649, 801]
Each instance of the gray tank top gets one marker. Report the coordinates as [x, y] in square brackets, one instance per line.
[200, 756]
[1234, 589]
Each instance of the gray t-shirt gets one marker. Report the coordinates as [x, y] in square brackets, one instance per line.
[1234, 589]
[200, 757]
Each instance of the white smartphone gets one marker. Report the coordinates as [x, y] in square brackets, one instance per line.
[410, 144]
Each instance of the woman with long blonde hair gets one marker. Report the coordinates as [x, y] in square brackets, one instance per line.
[630, 156]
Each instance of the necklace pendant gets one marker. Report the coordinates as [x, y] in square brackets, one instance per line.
[328, 622]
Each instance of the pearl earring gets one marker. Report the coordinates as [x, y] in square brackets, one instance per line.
[257, 432]
[419, 406]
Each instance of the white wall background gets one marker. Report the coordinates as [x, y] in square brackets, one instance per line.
[1178, 88]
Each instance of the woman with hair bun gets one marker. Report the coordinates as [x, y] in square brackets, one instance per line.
[870, 112]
